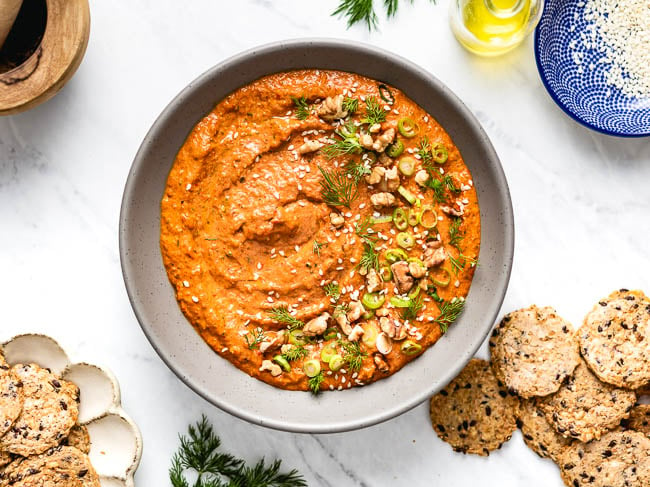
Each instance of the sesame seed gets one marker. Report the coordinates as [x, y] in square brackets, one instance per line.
[186, 284]
[195, 299]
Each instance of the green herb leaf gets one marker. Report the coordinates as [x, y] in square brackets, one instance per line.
[317, 246]
[455, 235]
[337, 189]
[357, 11]
[424, 151]
[449, 312]
[302, 107]
[350, 105]
[352, 354]
[342, 146]
[356, 170]
[370, 258]
[438, 188]
[296, 352]
[315, 382]
[254, 338]
[333, 290]
[364, 230]
[282, 315]
[413, 308]
[375, 113]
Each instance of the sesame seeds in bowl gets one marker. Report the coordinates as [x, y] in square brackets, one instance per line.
[594, 59]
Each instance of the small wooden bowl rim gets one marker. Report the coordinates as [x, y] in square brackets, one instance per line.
[53, 63]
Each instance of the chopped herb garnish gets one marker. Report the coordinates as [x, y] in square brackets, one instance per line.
[364, 230]
[363, 11]
[315, 382]
[350, 105]
[449, 312]
[455, 235]
[459, 263]
[375, 113]
[448, 181]
[413, 308]
[347, 144]
[282, 315]
[302, 107]
[333, 290]
[352, 354]
[370, 257]
[438, 189]
[254, 338]
[198, 453]
[385, 94]
[337, 189]
[296, 352]
[341, 308]
[317, 246]
[356, 170]
[424, 151]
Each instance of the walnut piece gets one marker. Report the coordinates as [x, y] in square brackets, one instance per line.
[317, 326]
[403, 280]
[381, 363]
[355, 310]
[387, 325]
[421, 177]
[366, 141]
[309, 146]
[382, 199]
[376, 175]
[332, 108]
[416, 270]
[274, 368]
[356, 334]
[384, 140]
[336, 220]
[372, 281]
[435, 254]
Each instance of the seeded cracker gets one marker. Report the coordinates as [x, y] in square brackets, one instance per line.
[49, 411]
[11, 396]
[63, 466]
[533, 350]
[615, 339]
[617, 459]
[639, 419]
[78, 438]
[473, 414]
[584, 408]
[538, 433]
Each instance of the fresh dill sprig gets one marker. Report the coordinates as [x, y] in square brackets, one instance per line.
[282, 315]
[333, 290]
[317, 246]
[449, 312]
[459, 263]
[315, 382]
[296, 352]
[455, 235]
[448, 181]
[356, 170]
[352, 354]
[375, 113]
[199, 453]
[302, 107]
[364, 230]
[414, 307]
[424, 151]
[254, 338]
[342, 146]
[369, 258]
[341, 308]
[337, 189]
[350, 105]
[363, 11]
[438, 189]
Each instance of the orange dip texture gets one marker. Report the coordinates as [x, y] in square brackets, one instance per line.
[246, 235]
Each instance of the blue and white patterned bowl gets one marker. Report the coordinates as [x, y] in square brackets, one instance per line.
[580, 90]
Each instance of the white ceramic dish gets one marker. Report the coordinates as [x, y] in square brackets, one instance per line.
[116, 441]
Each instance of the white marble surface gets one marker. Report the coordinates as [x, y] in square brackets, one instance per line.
[581, 202]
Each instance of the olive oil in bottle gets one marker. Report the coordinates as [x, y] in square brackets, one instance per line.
[493, 27]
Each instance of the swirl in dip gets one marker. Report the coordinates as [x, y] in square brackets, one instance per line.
[320, 229]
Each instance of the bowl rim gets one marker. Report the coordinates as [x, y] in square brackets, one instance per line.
[498, 296]
[542, 74]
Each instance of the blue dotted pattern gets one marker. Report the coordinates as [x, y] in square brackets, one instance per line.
[583, 93]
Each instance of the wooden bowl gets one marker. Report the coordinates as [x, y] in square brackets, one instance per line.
[53, 62]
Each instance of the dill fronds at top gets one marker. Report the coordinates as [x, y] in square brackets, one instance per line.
[337, 189]
[413, 308]
[449, 312]
[333, 290]
[281, 314]
[352, 354]
[350, 105]
[199, 453]
[375, 113]
[315, 382]
[356, 170]
[302, 107]
[363, 11]
[254, 338]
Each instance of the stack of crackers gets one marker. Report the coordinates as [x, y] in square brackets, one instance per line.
[572, 393]
[41, 444]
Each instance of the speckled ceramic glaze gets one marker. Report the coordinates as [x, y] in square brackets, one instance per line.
[218, 380]
[116, 442]
[579, 88]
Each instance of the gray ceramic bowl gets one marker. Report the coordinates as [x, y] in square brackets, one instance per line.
[215, 378]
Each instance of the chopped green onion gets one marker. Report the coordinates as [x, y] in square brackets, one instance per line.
[328, 352]
[380, 219]
[311, 368]
[414, 293]
[410, 348]
[385, 273]
[414, 217]
[428, 217]
[373, 300]
[440, 154]
[331, 334]
[407, 195]
[433, 292]
[369, 336]
[405, 240]
[395, 149]
[368, 315]
[407, 127]
[400, 302]
[395, 255]
[406, 165]
[336, 363]
[399, 219]
[282, 362]
[348, 130]
[385, 94]
[440, 276]
[297, 337]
